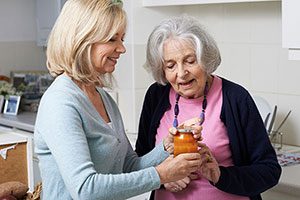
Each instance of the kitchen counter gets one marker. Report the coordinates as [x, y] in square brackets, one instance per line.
[289, 183]
[289, 180]
[288, 186]
[24, 121]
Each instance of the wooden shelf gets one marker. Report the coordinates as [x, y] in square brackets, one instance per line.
[154, 3]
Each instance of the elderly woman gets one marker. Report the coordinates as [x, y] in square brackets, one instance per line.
[79, 136]
[182, 57]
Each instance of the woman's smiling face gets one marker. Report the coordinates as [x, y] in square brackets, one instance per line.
[182, 69]
[105, 55]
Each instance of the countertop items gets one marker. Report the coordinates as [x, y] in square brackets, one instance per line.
[24, 121]
[288, 159]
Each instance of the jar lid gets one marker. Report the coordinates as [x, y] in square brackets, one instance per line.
[184, 130]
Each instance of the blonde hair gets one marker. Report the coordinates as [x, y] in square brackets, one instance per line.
[80, 24]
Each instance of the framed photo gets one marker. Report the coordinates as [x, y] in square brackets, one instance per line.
[12, 105]
[33, 84]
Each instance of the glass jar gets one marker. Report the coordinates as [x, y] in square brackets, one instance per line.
[184, 142]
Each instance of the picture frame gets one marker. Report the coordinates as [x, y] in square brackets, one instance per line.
[33, 84]
[11, 106]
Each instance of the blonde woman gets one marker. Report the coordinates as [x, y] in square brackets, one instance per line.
[79, 135]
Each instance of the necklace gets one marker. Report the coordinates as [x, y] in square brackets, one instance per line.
[202, 114]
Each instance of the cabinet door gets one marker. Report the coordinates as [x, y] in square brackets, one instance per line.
[291, 24]
[16, 158]
[46, 13]
[35, 176]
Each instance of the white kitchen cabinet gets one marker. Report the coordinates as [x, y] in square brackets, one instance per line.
[46, 13]
[12, 145]
[152, 3]
[36, 176]
[291, 28]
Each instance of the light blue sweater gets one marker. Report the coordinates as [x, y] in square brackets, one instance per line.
[81, 156]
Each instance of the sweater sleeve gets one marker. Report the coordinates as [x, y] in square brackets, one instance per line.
[61, 132]
[256, 168]
[153, 158]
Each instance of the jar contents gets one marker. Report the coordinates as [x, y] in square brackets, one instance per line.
[184, 142]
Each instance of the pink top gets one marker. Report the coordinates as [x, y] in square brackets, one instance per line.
[214, 136]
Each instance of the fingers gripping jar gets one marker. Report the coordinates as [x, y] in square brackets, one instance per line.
[184, 142]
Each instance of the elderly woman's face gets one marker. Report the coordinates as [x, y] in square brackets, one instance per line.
[181, 68]
[105, 55]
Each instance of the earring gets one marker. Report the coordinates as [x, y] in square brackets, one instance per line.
[186, 72]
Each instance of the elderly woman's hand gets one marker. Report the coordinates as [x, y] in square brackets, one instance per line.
[178, 185]
[191, 123]
[210, 168]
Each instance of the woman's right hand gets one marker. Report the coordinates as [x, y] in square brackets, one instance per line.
[176, 168]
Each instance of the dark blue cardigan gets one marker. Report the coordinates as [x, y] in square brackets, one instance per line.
[255, 169]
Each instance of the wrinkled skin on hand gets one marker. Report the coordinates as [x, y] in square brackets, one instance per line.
[178, 185]
[210, 167]
[176, 168]
[169, 146]
[191, 123]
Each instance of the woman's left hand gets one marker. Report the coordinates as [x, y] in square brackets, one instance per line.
[191, 123]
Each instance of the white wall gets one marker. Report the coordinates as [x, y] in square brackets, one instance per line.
[18, 50]
[131, 76]
[249, 37]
